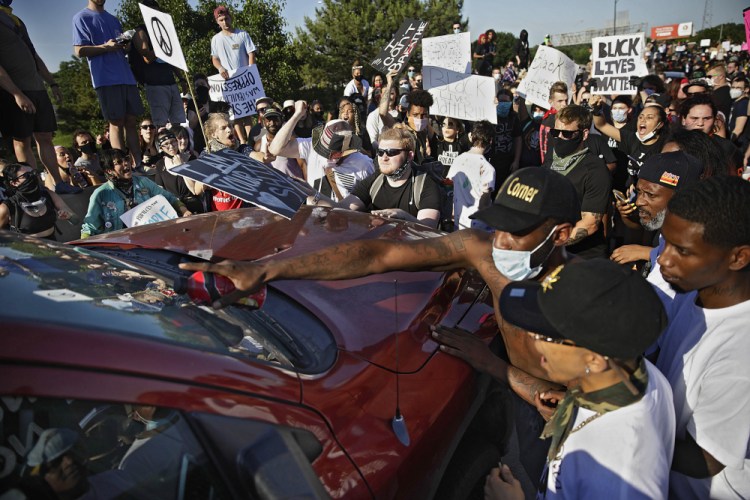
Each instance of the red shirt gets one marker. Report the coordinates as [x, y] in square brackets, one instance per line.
[223, 201]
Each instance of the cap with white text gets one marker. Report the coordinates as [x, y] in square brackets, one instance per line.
[530, 196]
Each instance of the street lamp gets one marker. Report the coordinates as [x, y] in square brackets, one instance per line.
[614, 20]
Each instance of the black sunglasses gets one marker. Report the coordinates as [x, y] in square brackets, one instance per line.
[391, 152]
[262, 110]
[147, 127]
[565, 134]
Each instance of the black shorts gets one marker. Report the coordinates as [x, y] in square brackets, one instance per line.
[19, 125]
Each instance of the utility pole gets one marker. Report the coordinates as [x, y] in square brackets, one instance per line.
[707, 11]
[614, 20]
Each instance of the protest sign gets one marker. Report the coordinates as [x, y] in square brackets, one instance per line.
[616, 59]
[163, 36]
[240, 90]
[549, 66]
[706, 42]
[746, 17]
[246, 179]
[451, 52]
[458, 95]
[397, 53]
[156, 209]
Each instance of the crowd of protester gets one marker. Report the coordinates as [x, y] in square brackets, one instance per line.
[612, 230]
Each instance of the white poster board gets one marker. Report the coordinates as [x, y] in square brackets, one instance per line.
[156, 209]
[615, 60]
[458, 95]
[240, 90]
[451, 52]
[163, 36]
[706, 42]
[549, 66]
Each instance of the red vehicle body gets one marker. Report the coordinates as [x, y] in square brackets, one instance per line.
[379, 327]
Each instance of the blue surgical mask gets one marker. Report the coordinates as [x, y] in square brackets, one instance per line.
[503, 108]
[516, 264]
[619, 115]
[411, 74]
[537, 115]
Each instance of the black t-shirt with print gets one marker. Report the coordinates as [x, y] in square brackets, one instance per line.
[638, 152]
[446, 152]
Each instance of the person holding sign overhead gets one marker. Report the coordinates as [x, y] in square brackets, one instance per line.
[232, 49]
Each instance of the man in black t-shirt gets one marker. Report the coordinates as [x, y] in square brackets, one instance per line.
[397, 190]
[699, 113]
[570, 157]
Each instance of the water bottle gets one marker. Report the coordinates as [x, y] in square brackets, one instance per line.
[76, 176]
[207, 288]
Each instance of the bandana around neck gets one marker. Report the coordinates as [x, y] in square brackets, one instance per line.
[565, 165]
[601, 401]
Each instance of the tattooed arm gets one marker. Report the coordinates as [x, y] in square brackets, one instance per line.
[588, 225]
[355, 259]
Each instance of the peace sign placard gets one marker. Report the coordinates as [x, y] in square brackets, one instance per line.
[163, 37]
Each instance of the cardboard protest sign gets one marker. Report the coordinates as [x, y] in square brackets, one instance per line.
[397, 53]
[616, 59]
[163, 36]
[451, 52]
[156, 209]
[706, 42]
[240, 90]
[549, 66]
[462, 96]
[246, 179]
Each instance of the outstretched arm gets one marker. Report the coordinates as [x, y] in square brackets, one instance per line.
[282, 145]
[353, 260]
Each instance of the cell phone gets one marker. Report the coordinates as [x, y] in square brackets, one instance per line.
[619, 196]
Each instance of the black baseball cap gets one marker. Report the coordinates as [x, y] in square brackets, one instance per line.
[598, 304]
[675, 170]
[530, 196]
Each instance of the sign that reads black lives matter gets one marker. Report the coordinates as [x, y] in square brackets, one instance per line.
[397, 53]
[616, 60]
[246, 179]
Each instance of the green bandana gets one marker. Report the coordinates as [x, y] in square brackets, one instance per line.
[565, 165]
[601, 401]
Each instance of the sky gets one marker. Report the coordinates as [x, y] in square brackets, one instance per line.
[49, 21]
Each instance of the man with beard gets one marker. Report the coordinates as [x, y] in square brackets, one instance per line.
[121, 193]
[703, 352]
[532, 216]
[272, 120]
[572, 158]
[658, 180]
[97, 36]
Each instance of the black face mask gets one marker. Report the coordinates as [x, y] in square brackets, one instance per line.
[89, 149]
[124, 185]
[29, 188]
[565, 148]
[358, 78]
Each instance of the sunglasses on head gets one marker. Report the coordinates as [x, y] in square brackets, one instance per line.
[544, 338]
[391, 152]
[148, 127]
[565, 134]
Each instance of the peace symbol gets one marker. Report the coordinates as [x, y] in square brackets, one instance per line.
[162, 36]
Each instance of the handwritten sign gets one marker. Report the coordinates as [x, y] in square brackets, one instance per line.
[616, 59]
[397, 53]
[549, 66]
[746, 17]
[240, 90]
[156, 209]
[462, 96]
[246, 179]
[451, 52]
[163, 37]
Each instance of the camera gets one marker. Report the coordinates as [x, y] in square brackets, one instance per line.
[124, 38]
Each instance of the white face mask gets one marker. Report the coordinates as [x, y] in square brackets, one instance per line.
[735, 93]
[420, 124]
[496, 76]
[646, 137]
[516, 264]
[619, 115]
